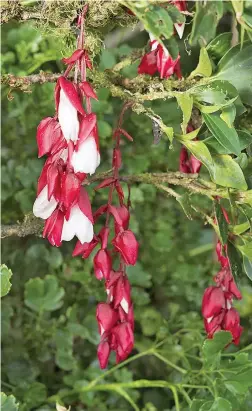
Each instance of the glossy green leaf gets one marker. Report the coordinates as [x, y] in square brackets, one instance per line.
[225, 135]
[204, 67]
[226, 172]
[228, 115]
[212, 348]
[247, 265]
[219, 45]
[240, 383]
[205, 21]
[245, 139]
[222, 223]
[246, 250]
[43, 294]
[5, 275]
[201, 152]
[168, 131]
[235, 261]
[189, 136]
[235, 67]
[185, 102]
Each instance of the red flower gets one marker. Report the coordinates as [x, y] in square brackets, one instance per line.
[213, 302]
[125, 242]
[125, 340]
[159, 59]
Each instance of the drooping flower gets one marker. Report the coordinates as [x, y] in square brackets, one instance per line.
[159, 60]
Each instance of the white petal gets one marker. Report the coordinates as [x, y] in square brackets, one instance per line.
[102, 330]
[125, 305]
[42, 207]
[68, 118]
[180, 29]
[229, 305]
[87, 158]
[64, 155]
[79, 225]
[209, 319]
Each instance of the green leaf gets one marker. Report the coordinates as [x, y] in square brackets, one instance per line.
[222, 224]
[228, 115]
[235, 67]
[204, 67]
[138, 276]
[35, 395]
[240, 383]
[188, 136]
[205, 21]
[219, 45]
[227, 137]
[8, 403]
[247, 264]
[201, 152]
[235, 261]
[185, 102]
[245, 139]
[227, 173]
[156, 19]
[246, 250]
[43, 295]
[168, 131]
[5, 275]
[196, 404]
[212, 349]
[220, 404]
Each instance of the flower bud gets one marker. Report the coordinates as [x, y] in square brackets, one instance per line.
[126, 244]
[102, 264]
[103, 352]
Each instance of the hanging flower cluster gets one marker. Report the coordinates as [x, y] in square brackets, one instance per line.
[217, 301]
[188, 164]
[115, 317]
[159, 59]
[70, 142]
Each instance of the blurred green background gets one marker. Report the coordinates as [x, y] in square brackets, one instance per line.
[49, 331]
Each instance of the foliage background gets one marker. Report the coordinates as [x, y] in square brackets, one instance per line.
[49, 332]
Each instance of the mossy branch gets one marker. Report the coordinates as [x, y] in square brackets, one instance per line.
[33, 226]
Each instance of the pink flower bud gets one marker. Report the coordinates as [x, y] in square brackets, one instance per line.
[213, 302]
[106, 317]
[102, 264]
[126, 243]
[103, 352]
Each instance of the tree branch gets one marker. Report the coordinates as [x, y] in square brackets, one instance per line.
[191, 182]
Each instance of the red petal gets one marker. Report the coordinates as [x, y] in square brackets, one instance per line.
[148, 64]
[70, 91]
[84, 249]
[86, 127]
[88, 90]
[103, 354]
[84, 204]
[74, 57]
[53, 178]
[105, 183]
[70, 189]
[53, 227]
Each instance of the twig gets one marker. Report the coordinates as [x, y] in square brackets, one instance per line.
[33, 225]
